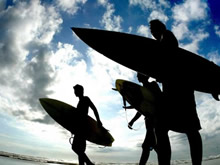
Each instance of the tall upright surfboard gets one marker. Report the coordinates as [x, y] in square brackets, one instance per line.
[146, 55]
[66, 115]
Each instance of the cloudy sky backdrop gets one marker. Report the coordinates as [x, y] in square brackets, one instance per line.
[41, 57]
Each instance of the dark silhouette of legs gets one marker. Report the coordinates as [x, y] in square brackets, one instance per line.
[163, 147]
[149, 142]
[195, 142]
[144, 156]
[82, 157]
[79, 147]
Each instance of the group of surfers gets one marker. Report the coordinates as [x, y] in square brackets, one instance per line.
[175, 110]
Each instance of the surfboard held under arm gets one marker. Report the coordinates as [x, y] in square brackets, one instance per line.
[67, 116]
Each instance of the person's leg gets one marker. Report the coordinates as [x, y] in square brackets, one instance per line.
[195, 142]
[87, 160]
[81, 159]
[79, 147]
[163, 147]
[148, 144]
[144, 156]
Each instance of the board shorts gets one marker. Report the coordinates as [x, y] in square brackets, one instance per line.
[179, 119]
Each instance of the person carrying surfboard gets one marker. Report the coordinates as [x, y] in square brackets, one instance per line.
[179, 107]
[79, 142]
[150, 138]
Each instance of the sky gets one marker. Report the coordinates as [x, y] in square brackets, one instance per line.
[41, 57]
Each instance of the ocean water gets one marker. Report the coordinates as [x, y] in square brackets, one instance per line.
[11, 161]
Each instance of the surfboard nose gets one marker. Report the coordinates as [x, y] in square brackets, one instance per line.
[119, 85]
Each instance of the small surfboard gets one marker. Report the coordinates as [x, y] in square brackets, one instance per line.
[66, 116]
[139, 97]
[146, 56]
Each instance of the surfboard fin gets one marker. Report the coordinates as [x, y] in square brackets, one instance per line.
[215, 96]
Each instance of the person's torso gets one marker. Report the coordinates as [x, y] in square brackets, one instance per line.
[83, 106]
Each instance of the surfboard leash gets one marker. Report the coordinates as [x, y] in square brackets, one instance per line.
[126, 116]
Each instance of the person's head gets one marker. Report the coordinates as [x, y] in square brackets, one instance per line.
[78, 89]
[142, 78]
[157, 28]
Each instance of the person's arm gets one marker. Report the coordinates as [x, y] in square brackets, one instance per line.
[137, 116]
[128, 107]
[92, 106]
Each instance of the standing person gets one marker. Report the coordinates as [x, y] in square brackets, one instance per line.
[179, 113]
[79, 142]
[150, 138]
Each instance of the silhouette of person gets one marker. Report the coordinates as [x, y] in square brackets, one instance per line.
[150, 138]
[79, 142]
[179, 113]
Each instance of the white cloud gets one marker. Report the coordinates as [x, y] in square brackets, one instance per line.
[190, 10]
[64, 56]
[144, 31]
[28, 29]
[180, 30]
[185, 14]
[103, 2]
[130, 29]
[164, 3]
[217, 30]
[144, 4]
[155, 7]
[196, 38]
[104, 72]
[209, 114]
[214, 57]
[70, 6]
[20, 29]
[158, 14]
[109, 20]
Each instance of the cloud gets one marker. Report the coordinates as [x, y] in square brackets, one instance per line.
[190, 10]
[217, 30]
[189, 13]
[70, 6]
[24, 53]
[156, 9]
[144, 4]
[109, 20]
[195, 39]
[103, 73]
[144, 31]
[180, 30]
[103, 2]
[150, 4]
[209, 114]
[2, 5]
[214, 57]
[158, 14]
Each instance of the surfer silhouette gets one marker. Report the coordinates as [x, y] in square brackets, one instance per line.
[179, 107]
[150, 138]
[79, 141]
[165, 37]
